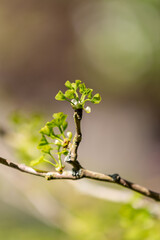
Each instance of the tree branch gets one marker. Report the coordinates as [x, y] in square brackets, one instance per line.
[84, 173]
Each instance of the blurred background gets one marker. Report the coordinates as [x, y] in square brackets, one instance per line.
[114, 47]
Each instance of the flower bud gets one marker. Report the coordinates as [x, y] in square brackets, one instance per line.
[87, 109]
[69, 135]
[74, 101]
[57, 142]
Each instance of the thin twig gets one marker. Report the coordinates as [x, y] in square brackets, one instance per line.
[76, 140]
[84, 173]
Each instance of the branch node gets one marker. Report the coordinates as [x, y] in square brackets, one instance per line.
[116, 177]
[49, 177]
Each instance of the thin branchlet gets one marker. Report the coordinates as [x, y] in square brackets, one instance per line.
[78, 135]
[76, 140]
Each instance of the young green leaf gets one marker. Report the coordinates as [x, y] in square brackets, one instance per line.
[73, 86]
[59, 118]
[59, 115]
[51, 124]
[82, 88]
[77, 83]
[96, 98]
[60, 96]
[46, 130]
[46, 149]
[68, 84]
[64, 125]
[43, 141]
[86, 91]
[90, 93]
[69, 94]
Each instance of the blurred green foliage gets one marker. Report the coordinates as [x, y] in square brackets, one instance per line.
[25, 135]
[91, 219]
[138, 224]
[15, 224]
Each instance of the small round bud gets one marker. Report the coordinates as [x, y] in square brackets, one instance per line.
[57, 142]
[87, 109]
[74, 101]
[69, 135]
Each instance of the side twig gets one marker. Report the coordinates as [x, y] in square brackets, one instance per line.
[84, 173]
[76, 141]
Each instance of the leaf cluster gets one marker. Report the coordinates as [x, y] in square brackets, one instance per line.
[53, 150]
[78, 94]
[138, 223]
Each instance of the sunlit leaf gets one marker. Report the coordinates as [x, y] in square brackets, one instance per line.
[64, 125]
[96, 98]
[77, 83]
[69, 94]
[90, 94]
[68, 84]
[46, 149]
[43, 141]
[60, 96]
[82, 88]
[46, 130]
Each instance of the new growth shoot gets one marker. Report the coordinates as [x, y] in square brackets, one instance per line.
[56, 143]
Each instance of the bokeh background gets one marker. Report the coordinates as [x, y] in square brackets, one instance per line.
[114, 47]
